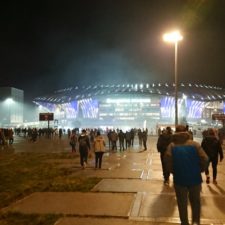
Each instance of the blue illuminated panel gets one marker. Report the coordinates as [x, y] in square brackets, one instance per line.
[190, 108]
[194, 109]
[89, 108]
[67, 110]
[71, 109]
[167, 107]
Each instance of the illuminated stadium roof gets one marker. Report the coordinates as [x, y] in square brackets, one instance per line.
[198, 92]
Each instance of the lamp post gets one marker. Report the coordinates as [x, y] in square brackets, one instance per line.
[174, 37]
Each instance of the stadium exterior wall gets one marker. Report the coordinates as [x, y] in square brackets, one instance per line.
[127, 106]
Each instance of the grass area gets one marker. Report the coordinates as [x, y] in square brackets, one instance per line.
[25, 173]
[33, 219]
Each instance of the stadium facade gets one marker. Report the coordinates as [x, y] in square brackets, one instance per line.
[133, 105]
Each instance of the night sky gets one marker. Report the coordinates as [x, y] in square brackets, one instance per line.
[49, 45]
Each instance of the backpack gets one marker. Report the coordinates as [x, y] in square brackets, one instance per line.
[83, 142]
[73, 140]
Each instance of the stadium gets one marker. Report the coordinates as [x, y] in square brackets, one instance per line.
[133, 105]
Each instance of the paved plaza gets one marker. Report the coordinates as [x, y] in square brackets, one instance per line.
[130, 192]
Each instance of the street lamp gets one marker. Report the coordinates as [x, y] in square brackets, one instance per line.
[174, 37]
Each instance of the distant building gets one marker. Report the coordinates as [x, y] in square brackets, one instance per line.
[11, 106]
[133, 105]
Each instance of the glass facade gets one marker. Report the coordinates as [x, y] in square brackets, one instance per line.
[134, 105]
[11, 104]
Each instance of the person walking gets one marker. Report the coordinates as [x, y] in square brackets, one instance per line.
[128, 139]
[212, 147]
[99, 149]
[186, 160]
[144, 138]
[73, 141]
[121, 136]
[140, 137]
[60, 133]
[163, 141]
[114, 138]
[132, 135]
[10, 134]
[84, 147]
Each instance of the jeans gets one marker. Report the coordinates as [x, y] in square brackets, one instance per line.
[214, 168]
[166, 174]
[98, 159]
[83, 156]
[193, 193]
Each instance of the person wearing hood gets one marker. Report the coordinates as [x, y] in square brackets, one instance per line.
[163, 141]
[211, 145]
[99, 148]
[186, 160]
[84, 148]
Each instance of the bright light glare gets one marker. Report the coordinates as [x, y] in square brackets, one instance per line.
[184, 96]
[173, 37]
[133, 100]
[9, 101]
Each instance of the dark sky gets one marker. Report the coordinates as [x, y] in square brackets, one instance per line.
[48, 45]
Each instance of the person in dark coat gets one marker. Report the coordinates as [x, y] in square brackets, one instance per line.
[163, 141]
[128, 139]
[121, 136]
[211, 145]
[140, 137]
[84, 148]
[144, 138]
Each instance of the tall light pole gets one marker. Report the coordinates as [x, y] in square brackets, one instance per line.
[174, 37]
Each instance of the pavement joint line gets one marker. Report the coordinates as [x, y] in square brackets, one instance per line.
[149, 164]
[144, 175]
[175, 220]
[157, 220]
[134, 212]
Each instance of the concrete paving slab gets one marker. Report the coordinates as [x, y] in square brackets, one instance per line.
[102, 221]
[152, 186]
[156, 207]
[214, 190]
[132, 185]
[155, 175]
[163, 207]
[75, 203]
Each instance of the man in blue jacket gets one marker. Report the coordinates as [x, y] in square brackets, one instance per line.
[186, 160]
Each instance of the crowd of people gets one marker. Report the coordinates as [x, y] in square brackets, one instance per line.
[180, 155]
[86, 141]
[6, 136]
[126, 139]
[93, 140]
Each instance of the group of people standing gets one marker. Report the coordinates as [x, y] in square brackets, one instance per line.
[83, 141]
[186, 159]
[126, 139]
[6, 136]
[93, 140]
